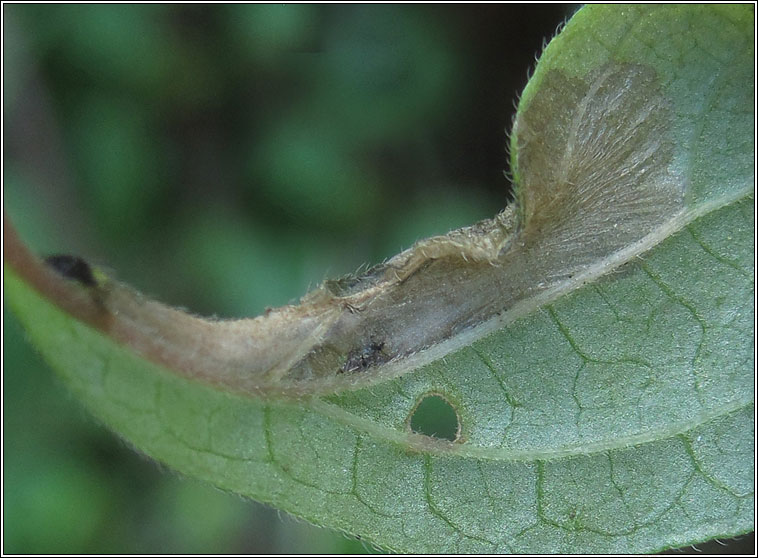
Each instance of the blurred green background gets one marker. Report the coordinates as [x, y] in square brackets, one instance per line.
[225, 159]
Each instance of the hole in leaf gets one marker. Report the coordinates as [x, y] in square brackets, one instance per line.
[434, 416]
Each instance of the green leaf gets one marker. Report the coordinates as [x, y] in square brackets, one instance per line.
[595, 343]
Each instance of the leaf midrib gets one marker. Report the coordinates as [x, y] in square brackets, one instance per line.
[426, 445]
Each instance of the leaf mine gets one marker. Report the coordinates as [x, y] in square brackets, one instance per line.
[593, 179]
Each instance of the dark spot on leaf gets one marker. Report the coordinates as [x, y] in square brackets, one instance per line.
[364, 357]
[72, 267]
[434, 416]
